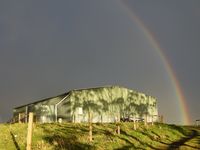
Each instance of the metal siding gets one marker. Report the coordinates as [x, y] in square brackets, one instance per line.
[105, 103]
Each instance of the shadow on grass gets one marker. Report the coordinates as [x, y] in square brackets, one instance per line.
[65, 137]
[14, 141]
[182, 141]
[61, 142]
[179, 129]
[138, 140]
[159, 139]
[126, 147]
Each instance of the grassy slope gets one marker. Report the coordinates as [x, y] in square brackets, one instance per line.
[75, 136]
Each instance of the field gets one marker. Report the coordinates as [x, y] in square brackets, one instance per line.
[75, 136]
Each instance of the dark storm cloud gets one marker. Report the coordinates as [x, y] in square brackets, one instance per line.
[176, 27]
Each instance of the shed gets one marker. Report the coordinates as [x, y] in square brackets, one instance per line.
[105, 104]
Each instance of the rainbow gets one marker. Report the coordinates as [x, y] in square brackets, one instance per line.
[184, 111]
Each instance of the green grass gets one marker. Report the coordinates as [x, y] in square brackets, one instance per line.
[56, 136]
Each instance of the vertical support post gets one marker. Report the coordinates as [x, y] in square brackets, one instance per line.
[19, 118]
[197, 122]
[30, 130]
[101, 118]
[161, 119]
[56, 113]
[56, 108]
[152, 120]
[74, 118]
[145, 120]
[26, 115]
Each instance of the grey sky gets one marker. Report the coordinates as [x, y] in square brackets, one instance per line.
[50, 47]
[176, 27]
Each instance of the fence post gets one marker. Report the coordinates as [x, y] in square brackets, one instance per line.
[90, 126]
[30, 130]
[118, 122]
[134, 121]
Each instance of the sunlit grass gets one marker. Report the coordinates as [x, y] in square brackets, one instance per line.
[75, 136]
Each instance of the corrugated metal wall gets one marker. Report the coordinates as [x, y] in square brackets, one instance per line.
[106, 104]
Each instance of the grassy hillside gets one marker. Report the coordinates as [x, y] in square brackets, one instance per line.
[75, 136]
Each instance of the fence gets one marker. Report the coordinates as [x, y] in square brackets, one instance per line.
[30, 118]
[23, 118]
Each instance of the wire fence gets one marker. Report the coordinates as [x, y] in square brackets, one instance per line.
[23, 118]
[20, 118]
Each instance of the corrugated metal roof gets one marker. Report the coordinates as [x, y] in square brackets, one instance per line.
[42, 100]
[93, 88]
